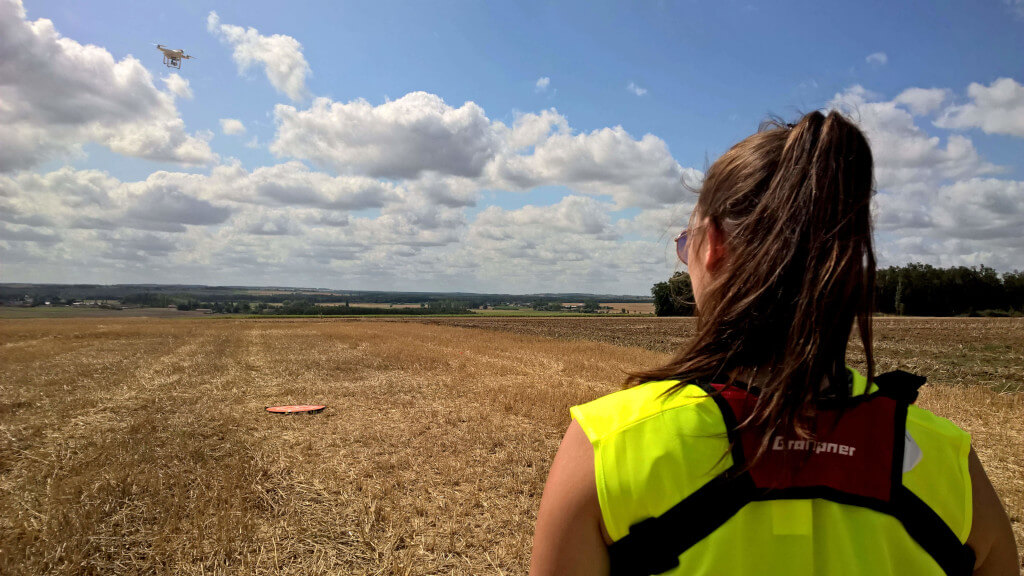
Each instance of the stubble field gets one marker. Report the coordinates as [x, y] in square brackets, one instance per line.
[135, 445]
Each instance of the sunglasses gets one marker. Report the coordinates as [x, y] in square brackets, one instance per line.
[681, 251]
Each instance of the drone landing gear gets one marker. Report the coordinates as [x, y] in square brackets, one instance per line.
[172, 62]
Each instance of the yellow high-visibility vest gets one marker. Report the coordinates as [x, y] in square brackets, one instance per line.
[887, 492]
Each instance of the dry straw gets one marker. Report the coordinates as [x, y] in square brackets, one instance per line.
[133, 446]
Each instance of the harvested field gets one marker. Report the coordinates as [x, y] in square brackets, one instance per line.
[134, 445]
[630, 307]
[949, 351]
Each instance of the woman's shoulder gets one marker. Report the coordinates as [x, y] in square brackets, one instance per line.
[619, 410]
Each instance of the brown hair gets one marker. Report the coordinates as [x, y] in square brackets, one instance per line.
[793, 201]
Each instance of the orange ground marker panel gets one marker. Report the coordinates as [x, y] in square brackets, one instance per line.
[300, 409]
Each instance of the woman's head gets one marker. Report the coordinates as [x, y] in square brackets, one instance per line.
[781, 258]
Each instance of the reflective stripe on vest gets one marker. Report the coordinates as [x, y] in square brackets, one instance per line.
[672, 502]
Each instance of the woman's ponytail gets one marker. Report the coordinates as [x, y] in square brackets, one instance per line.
[794, 204]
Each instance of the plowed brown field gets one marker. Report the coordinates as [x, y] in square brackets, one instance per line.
[140, 446]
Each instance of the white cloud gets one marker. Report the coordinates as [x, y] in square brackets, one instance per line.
[877, 59]
[135, 246]
[177, 85]
[904, 153]
[398, 139]
[57, 94]
[232, 126]
[632, 87]
[572, 214]
[289, 224]
[264, 222]
[162, 202]
[420, 136]
[542, 84]
[175, 201]
[449, 191]
[93, 200]
[935, 202]
[279, 55]
[572, 242]
[606, 162]
[996, 109]
[530, 129]
[922, 101]
[293, 184]
[981, 208]
[22, 233]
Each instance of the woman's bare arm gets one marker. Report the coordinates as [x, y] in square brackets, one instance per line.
[568, 539]
[991, 536]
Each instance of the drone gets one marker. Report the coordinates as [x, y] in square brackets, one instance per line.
[173, 58]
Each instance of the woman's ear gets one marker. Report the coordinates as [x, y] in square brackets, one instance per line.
[715, 239]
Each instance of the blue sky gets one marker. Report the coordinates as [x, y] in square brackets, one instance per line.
[575, 206]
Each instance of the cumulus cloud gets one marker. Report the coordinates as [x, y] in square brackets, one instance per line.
[997, 109]
[542, 84]
[283, 219]
[294, 184]
[606, 162]
[572, 214]
[93, 200]
[57, 94]
[178, 86]
[904, 153]
[936, 202]
[877, 59]
[922, 101]
[263, 222]
[545, 235]
[232, 126]
[279, 55]
[24, 233]
[981, 208]
[398, 139]
[530, 129]
[161, 202]
[134, 246]
[173, 201]
[632, 87]
[290, 224]
[570, 242]
[420, 136]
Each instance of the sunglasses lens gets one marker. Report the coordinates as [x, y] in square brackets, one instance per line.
[681, 247]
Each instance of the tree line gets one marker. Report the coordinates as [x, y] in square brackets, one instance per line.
[306, 308]
[913, 290]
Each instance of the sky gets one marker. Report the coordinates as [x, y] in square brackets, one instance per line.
[477, 146]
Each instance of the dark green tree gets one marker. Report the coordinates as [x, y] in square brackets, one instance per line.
[674, 297]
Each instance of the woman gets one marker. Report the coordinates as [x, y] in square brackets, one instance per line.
[755, 450]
